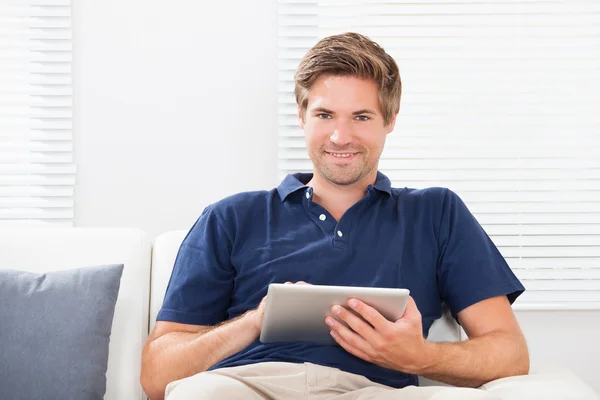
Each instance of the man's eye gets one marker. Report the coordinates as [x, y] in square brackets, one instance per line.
[362, 118]
[324, 116]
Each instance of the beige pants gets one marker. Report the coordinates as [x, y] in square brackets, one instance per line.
[279, 380]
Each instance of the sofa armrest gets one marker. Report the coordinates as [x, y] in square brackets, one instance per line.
[547, 384]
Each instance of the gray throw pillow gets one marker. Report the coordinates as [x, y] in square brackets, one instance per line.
[54, 332]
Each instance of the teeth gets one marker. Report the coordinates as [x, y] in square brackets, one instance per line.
[341, 155]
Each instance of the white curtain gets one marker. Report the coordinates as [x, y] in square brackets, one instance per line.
[37, 173]
[500, 103]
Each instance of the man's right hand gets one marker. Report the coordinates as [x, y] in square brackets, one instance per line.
[258, 314]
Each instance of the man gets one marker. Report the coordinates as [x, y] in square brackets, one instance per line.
[342, 225]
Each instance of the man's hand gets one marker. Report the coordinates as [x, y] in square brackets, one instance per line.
[396, 345]
[258, 314]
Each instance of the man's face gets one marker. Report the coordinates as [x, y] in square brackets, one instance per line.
[344, 128]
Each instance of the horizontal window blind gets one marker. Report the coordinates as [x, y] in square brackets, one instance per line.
[37, 172]
[501, 104]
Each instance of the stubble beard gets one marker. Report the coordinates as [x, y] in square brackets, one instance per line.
[346, 175]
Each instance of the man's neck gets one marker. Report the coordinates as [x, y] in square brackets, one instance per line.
[337, 199]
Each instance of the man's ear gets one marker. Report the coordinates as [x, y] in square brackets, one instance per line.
[300, 119]
[392, 124]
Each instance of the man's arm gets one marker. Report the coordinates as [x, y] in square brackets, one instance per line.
[496, 347]
[175, 351]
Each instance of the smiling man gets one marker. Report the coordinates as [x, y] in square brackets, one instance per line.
[343, 224]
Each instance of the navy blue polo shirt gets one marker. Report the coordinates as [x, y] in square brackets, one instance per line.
[424, 240]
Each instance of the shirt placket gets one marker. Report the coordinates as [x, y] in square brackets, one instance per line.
[339, 231]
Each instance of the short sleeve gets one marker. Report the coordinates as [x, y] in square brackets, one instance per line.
[470, 267]
[199, 290]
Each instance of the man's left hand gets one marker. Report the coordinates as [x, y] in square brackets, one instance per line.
[397, 345]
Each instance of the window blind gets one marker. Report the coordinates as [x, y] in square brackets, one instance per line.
[37, 173]
[501, 104]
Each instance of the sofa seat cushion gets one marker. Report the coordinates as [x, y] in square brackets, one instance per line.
[549, 383]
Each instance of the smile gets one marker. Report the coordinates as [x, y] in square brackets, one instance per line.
[341, 155]
[341, 158]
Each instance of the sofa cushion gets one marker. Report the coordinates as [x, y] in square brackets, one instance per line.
[547, 382]
[54, 332]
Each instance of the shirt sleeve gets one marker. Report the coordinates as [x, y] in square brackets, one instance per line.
[199, 290]
[470, 267]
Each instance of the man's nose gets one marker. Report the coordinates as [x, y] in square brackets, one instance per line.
[342, 134]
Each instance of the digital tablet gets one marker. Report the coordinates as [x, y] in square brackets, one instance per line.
[297, 312]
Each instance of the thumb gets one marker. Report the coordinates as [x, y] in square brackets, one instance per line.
[411, 313]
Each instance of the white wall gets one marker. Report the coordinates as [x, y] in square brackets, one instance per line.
[175, 107]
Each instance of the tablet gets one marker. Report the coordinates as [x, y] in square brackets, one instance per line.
[296, 313]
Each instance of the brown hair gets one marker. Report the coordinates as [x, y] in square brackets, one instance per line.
[350, 54]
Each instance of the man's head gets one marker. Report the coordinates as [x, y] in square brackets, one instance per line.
[348, 93]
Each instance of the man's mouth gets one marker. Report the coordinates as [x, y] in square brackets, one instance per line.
[340, 156]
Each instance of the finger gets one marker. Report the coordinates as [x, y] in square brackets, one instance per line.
[302, 283]
[379, 322]
[349, 348]
[356, 323]
[355, 338]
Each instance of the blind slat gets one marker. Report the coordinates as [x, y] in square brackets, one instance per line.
[45, 158]
[582, 285]
[36, 191]
[35, 123]
[546, 229]
[36, 223]
[40, 203]
[35, 146]
[552, 263]
[547, 239]
[50, 10]
[573, 274]
[30, 168]
[36, 213]
[37, 180]
[515, 218]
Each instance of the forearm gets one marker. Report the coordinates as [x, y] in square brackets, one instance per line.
[178, 355]
[473, 362]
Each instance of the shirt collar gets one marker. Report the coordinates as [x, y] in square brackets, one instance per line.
[383, 183]
[294, 182]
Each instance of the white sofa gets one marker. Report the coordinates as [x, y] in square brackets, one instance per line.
[46, 249]
[147, 270]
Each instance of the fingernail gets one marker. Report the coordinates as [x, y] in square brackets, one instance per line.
[329, 321]
[352, 303]
[332, 333]
[336, 309]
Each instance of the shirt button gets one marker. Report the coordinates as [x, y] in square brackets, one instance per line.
[340, 234]
[307, 195]
[322, 217]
